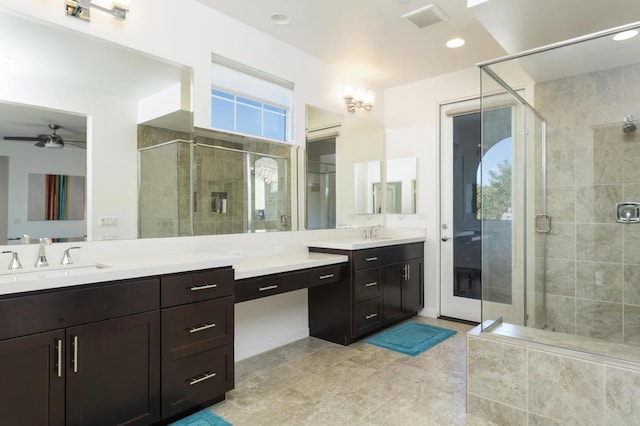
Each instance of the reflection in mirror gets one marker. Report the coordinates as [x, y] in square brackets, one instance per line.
[335, 143]
[25, 160]
[401, 186]
[322, 129]
[211, 182]
[56, 197]
[367, 188]
[95, 82]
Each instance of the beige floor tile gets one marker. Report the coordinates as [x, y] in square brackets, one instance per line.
[313, 382]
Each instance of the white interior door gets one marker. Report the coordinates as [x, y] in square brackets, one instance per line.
[460, 240]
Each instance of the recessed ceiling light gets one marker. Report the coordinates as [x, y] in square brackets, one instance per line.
[625, 35]
[280, 18]
[455, 42]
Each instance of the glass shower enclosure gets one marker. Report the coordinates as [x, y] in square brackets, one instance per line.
[561, 221]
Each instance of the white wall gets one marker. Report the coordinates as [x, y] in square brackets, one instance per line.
[411, 123]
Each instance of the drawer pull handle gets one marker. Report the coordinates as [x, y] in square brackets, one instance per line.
[206, 376]
[201, 328]
[59, 360]
[203, 287]
[269, 287]
[368, 317]
[371, 284]
[371, 259]
[324, 277]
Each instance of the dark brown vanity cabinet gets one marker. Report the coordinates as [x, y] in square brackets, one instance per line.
[133, 352]
[385, 286]
[81, 356]
[197, 339]
[31, 390]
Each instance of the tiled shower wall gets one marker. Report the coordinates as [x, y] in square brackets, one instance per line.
[517, 382]
[593, 263]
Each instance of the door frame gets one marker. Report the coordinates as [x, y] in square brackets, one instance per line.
[465, 309]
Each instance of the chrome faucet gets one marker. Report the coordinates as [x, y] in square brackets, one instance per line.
[66, 258]
[42, 257]
[371, 232]
[15, 262]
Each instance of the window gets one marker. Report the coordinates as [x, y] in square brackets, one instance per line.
[244, 115]
[248, 101]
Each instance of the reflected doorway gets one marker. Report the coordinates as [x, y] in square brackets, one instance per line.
[321, 183]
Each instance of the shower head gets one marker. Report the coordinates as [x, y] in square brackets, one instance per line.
[628, 126]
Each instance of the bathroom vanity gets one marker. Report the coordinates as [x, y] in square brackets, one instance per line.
[135, 351]
[384, 286]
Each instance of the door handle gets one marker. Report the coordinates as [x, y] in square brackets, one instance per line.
[445, 239]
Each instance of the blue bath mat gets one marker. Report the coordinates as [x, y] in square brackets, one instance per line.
[411, 338]
[204, 417]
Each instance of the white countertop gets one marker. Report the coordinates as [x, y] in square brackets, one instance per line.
[58, 276]
[254, 267]
[359, 243]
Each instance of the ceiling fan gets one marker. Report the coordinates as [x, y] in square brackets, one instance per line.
[52, 140]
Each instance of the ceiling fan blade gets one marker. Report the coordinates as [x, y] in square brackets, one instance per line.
[75, 145]
[74, 140]
[22, 138]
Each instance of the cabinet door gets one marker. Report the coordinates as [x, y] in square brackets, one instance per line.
[113, 371]
[413, 288]
[32, 385]
[392, 291]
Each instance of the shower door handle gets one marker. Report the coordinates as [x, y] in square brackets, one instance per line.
[445, 239]
[543, 223]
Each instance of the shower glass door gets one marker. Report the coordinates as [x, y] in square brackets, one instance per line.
[513, 206]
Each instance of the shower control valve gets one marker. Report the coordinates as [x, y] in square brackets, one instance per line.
[628, 212]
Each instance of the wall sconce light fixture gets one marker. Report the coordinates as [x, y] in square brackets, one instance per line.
[82, 8]
[358, 99]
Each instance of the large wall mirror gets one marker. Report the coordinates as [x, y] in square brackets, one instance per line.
[62, 85]
[92, 97]
[343, 169]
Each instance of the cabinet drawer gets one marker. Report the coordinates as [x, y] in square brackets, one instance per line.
[197, 327]
[367, 258]
[403, 252]
[321, 276]
[196, 379]
[191, 287]
[367, 316]
[366, 284]
[255, 288]
[54, 309]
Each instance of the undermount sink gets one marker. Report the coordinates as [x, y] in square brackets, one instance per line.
[19, 275]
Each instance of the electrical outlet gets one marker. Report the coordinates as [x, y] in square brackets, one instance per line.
[106, 221]
[235, 253]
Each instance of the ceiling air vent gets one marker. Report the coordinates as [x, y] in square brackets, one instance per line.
[425, 16]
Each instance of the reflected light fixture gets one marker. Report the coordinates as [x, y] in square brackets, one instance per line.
[358, 99]
[82, 8]
[625, 35]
